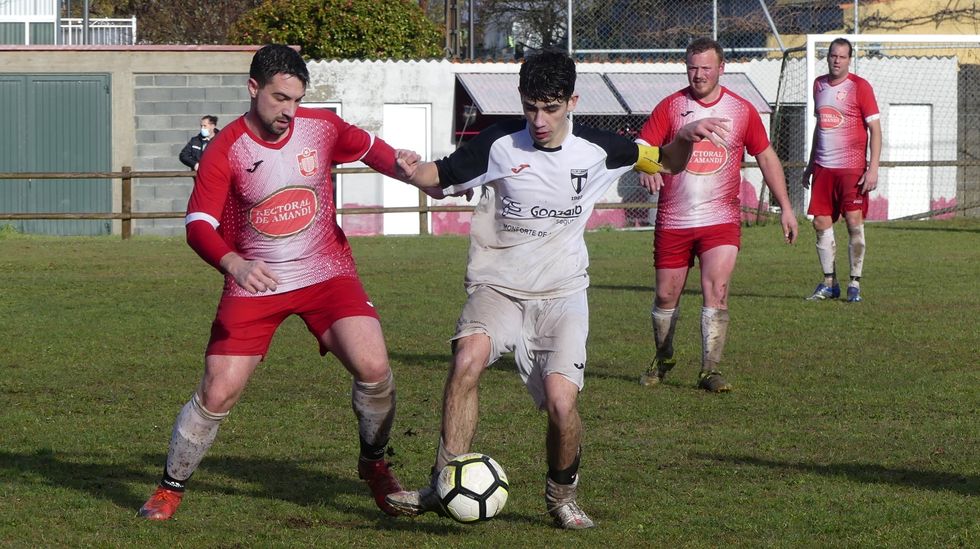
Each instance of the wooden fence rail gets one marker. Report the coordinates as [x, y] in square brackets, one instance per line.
[127, 215]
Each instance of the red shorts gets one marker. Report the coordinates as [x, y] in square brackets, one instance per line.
[677, 248]
[835, 191]
[244, 326]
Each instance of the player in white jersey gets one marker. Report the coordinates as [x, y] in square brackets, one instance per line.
[527, 276]
[262, 213]
[843, 178]
[698, 210]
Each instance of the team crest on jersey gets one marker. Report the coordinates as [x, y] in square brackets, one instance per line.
[707, 158]
[579, 178]
[285, 212]
[307, 162]
[829, 118]
[842, 95]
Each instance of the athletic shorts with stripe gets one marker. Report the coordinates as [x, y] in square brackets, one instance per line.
[835, 191]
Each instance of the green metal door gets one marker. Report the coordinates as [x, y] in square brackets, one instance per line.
[61, 123]
[13, 192]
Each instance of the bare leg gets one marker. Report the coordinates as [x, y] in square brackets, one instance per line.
[563, 441]
[461, 398]
[564, 423]
[460, 413]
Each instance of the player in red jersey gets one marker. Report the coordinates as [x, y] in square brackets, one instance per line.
[262, 213]
[846, 112]
[698, 210]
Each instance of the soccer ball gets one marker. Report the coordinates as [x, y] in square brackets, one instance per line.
[472, 487]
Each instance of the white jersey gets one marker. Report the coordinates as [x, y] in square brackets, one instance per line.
[526, 236]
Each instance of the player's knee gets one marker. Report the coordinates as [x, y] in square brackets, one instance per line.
[561, 397]
[202, 409]
[466, 369]
[382, 388]
[716, 297]
[372, 369]
[666, 299]
[471, 354]
[561, 408]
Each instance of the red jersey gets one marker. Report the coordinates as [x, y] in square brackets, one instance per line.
[706, 192]
[843, 111]
[274, 201]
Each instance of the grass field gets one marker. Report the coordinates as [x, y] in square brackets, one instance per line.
[850, 425]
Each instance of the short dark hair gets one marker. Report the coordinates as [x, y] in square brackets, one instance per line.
[547, 76]
[701, 45]
[276, 59]
[210, 118]
[841, 42]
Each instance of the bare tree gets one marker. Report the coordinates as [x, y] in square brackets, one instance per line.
[174, 21]
[532, 23]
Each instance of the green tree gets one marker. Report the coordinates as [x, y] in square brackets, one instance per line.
[352, 29]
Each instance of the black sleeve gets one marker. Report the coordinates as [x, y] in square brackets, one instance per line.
[620, 150]
[188, 156]
[472, 159]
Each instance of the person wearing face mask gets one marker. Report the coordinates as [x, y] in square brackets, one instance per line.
[190, 155]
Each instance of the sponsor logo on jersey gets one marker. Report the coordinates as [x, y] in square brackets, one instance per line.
[520, 168]
[307, 162]
[579, 178]
[829, 118]
[254, 167]
[511, 207]
[570, 213]
[685, 113]
[707, 158]
[285, 212]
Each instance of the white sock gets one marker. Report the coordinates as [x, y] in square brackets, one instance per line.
[827, 253]
[443, 456]
[194, 431]
[714, 332]
[374, 406]
[855, 249]
[664, 323]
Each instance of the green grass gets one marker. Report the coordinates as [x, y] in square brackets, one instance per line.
[849, 425]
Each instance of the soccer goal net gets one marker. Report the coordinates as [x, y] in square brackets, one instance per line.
[928, 91]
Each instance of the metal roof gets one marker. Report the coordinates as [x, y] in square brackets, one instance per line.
[496, 93]
[643, 90]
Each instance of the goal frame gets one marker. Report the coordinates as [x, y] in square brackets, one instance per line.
[857, 39]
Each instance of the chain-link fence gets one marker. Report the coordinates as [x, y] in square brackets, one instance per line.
[928, 91]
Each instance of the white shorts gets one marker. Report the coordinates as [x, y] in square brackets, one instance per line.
[547, 336]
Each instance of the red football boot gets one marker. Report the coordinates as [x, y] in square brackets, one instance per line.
[381, 481]
[162, 504]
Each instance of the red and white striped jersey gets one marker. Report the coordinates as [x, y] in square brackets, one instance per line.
[843, 111]
[274, 201]
[706, 193]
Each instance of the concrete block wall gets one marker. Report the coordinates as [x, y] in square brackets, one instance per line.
[169, 108]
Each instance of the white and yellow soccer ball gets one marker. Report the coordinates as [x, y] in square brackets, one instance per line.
[473, 487]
